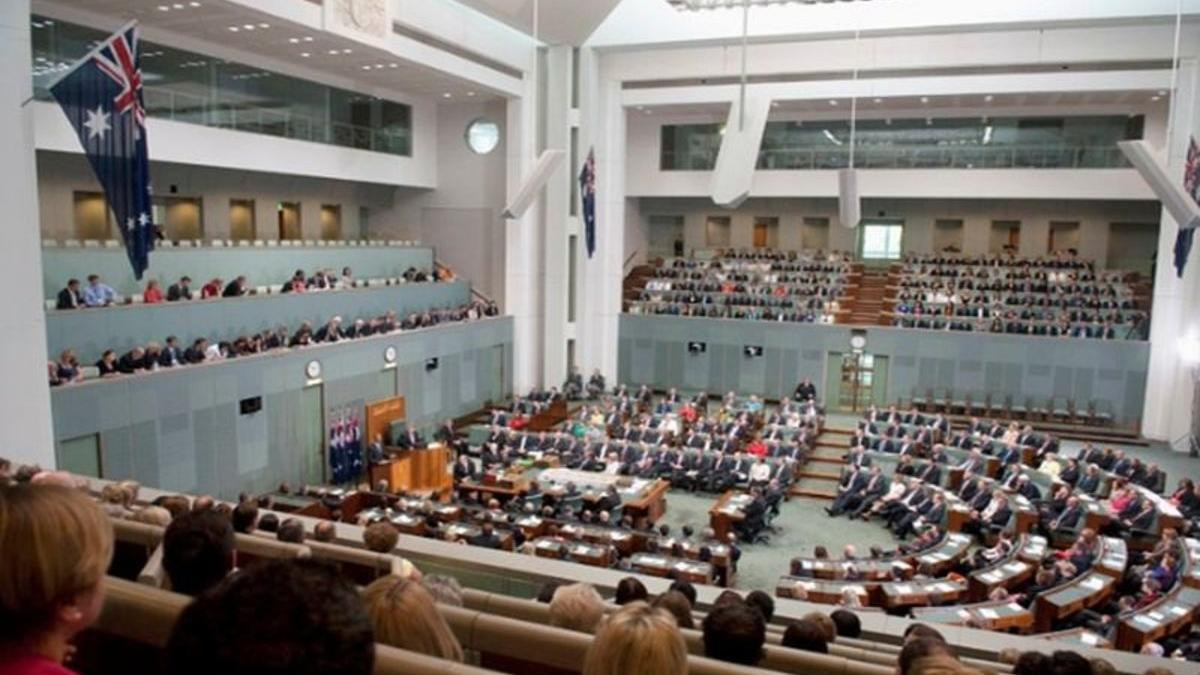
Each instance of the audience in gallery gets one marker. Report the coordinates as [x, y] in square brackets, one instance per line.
[198, 551]
[154, 356]
[318, 623]
[99, 294]
[1058, 295]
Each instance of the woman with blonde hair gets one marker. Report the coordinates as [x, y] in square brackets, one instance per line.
[637, 640]
[576, 607]
[405, 616]
[55, 546]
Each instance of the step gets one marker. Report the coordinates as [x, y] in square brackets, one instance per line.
[817, 494]
[819, 475]
[837, 461]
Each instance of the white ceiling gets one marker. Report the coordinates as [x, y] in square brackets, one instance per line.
[346, 62]
[559, 21]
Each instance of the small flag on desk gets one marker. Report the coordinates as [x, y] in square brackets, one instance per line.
[587, 192]
[1191, 183]
[102, 98]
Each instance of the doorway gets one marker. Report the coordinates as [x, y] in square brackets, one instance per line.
[856, 381]
[331, 222]
[814, 234]
[766, 233]
[289, 220]
[1005, 236]
[1063, 236]
[310, 435]
[717, 232]
[93, 220]
[241, 219]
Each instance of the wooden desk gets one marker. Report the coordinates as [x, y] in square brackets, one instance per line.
[726, 513]
[823, 591]
[946, 555]
[1087, 590]
[898, 594]
[645, 501]
[1007, 574]
[871, 569]
[549, 418]
[1000, 615]
[1080, 637]
[692, 571]
[1168, 616]
[416, 470]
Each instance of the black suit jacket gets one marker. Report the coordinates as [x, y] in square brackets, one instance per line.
[177, 292]
[68, 300]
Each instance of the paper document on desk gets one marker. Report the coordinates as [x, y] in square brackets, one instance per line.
[989, 613]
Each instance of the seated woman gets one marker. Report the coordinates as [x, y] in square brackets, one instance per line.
[68, 367]
[153, 293]
[57, 546]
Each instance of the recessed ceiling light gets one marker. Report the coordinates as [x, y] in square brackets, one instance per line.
[305, 55]
[194, 4]
[924, 99]
[294, 41]
[396, 65]
[366, 67]
[308, 38]
[177, 5]
[248, 26]
[774, 104]
[469, 93]
[163, 8]
[264, 25]
[378, 66]
[234, 29]
[832, 102]
[1155, 98]
[1161, 92]
[879, 100]
[446, 95]
[333, 51]
[989, 98]
[345, 51]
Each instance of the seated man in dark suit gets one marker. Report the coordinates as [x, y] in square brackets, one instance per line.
[70, 297]
[132, 361]
[181, 290]
[196, 353]
[486, 538]
[235, 288]
[1064, 522]
[463, 468]
[753, 517]
[411, 440]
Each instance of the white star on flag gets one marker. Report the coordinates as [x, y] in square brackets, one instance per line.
[143, 219]
[97, 123]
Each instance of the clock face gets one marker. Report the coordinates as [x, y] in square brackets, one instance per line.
[389, 355]
[313, 369]
[858, 341]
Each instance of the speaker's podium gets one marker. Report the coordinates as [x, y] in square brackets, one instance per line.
[422, 470]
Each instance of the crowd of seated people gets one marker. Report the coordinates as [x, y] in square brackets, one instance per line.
[303, 615]
[1057, 296]
[762, 285]
[99, 294]
[172, 353]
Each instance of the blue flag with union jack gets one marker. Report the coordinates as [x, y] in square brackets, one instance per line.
[1191, 184]
[102, 97]
[587, 192]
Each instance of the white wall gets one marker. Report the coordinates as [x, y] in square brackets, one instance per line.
[919, 217]
[60, 175]
[460, 219]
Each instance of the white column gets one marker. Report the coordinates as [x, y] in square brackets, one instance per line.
[556, 217]
[25, 413]
[602, 127]
[1167, 414]
[522, 246]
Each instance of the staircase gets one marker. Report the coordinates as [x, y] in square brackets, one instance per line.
[635, 281]
[819, 476]
[866, 308]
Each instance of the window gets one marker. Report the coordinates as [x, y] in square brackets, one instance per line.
[483, 136]
[881, 241]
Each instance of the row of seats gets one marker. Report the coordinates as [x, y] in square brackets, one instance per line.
[229, 243]
[1064, 409]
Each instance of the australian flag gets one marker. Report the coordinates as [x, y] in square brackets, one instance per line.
[1191, 184]
[102, 97]
[587, 192]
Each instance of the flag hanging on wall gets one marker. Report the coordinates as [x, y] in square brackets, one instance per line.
[1191, 183]
[587, 193]
[102, 98]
